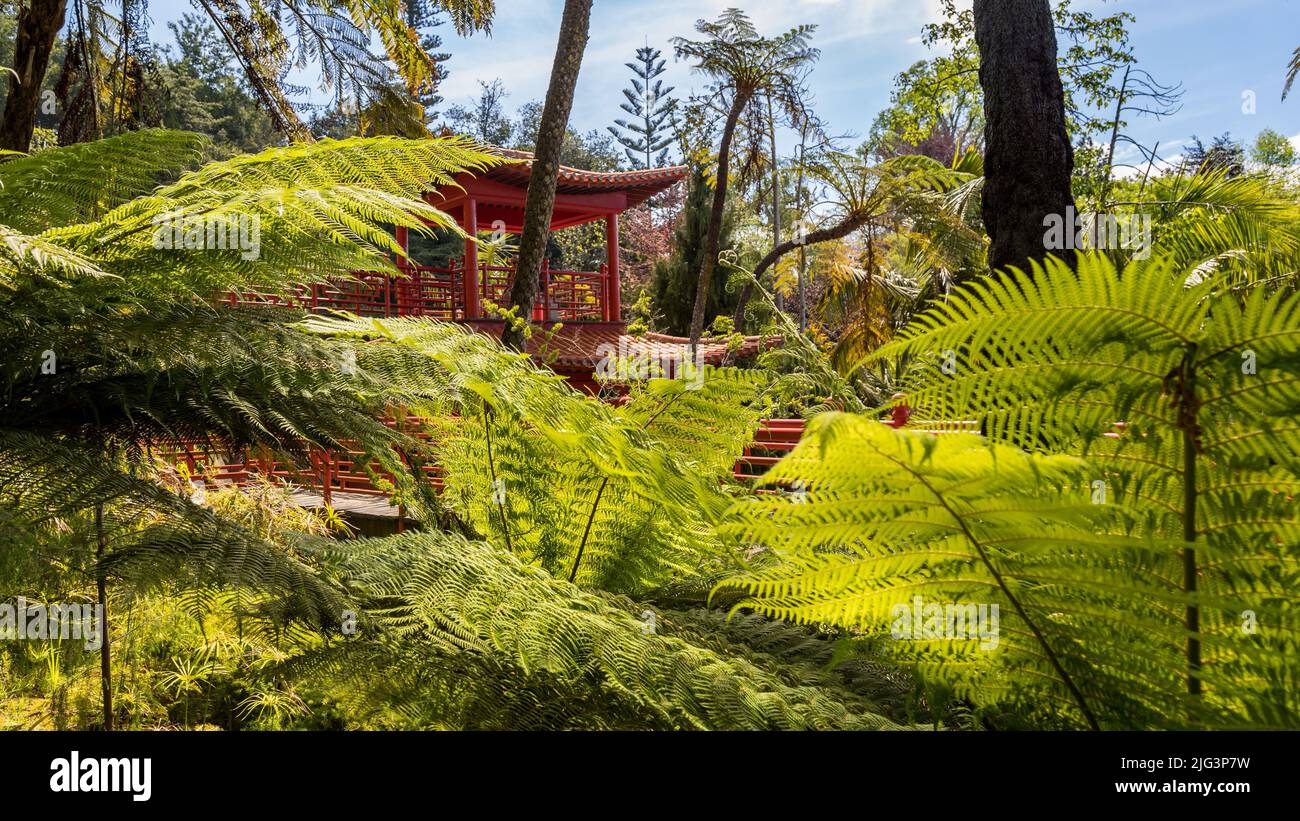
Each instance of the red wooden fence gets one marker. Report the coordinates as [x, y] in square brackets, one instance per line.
[330, 471]
[566, 296]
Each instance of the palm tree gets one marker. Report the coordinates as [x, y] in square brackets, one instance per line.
[538, 206]
[746, 66]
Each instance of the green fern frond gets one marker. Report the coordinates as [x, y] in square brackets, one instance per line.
[462, 599]
[882, 524]
[1183, 399]
[83, 182]
[616, 498]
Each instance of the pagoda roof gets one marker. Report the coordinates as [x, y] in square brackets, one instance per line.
[639, 186]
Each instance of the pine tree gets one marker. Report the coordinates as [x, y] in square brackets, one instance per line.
[420, 14]
[646, 136]
[674, 285]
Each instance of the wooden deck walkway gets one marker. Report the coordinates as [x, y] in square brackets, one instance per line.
[357, 504]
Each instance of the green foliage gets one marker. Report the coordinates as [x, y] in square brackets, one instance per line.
[1201, 469]
[936, 109]
[205, 93]
[1223, 155]
[745, 63]
[184, 656]
[675, 278]
[938, 105]
[646, 137]
[112, 347]
[1272, 149]
[82, 183]
[880, 517]
[614, 498]
[467, 636]
[1240, 230]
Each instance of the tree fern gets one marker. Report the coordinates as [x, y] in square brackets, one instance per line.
[80, 183]
[1204, 460]
[324, 208]
[618, 498]
[882, 518]
[112, 348]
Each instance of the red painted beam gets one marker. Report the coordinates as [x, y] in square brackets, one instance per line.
[613, 298]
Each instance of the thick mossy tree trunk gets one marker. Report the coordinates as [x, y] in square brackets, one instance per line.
[39, 22]
[709, 259]
[1028, 158]
[546, 165]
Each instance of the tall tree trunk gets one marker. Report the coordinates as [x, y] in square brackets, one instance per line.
[39, 22]
[546, 164]
[776, 186]
[710, 256]
[101, 597]
[1028, 157]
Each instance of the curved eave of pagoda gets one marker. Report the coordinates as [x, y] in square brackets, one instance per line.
[580, 196]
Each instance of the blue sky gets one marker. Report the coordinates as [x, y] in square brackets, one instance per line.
[1219, 49]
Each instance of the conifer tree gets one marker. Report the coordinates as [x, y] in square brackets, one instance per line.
[646, 135]
[674, 285]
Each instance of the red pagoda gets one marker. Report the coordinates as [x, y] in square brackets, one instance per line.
[586, 303]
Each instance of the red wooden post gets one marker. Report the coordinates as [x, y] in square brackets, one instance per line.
[613, 307]
[471, 260]
[543, 300]
[403, 265]
[323, 460]
[901, 412]
[404, 240]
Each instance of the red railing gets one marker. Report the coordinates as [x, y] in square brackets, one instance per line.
[327, 470]
[438, 292]
[338, 470]
[330, 471]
